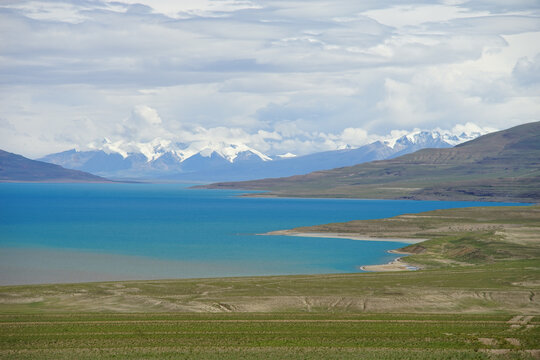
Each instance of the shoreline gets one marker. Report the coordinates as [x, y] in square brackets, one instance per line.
[395, 265]
[341, 236]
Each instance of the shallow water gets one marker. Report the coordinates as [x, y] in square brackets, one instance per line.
[87, 232]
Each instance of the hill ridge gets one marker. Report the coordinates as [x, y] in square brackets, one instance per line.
[14, 167]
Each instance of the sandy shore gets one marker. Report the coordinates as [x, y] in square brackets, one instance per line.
[342, 236]
[394, 265]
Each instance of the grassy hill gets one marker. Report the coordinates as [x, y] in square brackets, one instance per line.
[15, 167]
[501, 166]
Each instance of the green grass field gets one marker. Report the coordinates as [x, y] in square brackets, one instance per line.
[481, 303]
[264, 336]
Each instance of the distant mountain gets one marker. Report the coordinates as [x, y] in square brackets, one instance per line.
[15, 167]
[157, 159]
[501, 166]
[218, 161]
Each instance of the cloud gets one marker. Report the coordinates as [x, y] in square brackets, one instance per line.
[287, 135]
[470, 128]
[189, 8]
[145, 115]
[75, 71]
[418, 14]
[527, 71]
[144, 125]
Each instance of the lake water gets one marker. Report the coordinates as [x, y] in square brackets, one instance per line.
[88, 232]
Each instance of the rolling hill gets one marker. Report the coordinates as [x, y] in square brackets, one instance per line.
[501, 166]
[15, 167]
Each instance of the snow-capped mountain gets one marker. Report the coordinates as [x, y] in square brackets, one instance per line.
[421, 139]
[220, 161]
[159, 158]
[156, 148]
[432, 138]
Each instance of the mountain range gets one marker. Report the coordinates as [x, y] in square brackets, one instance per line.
[15, 167]
[219, 161]
[500, 166]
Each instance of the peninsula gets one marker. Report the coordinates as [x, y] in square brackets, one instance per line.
[445, 238]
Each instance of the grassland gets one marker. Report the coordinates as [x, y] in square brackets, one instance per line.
[476, 299]
[261, 336]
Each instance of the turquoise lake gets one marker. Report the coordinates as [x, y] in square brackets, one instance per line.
[53, 233]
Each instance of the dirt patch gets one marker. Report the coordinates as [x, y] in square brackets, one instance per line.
[20, 300]
[513, 341]
[488, 341]
[520, 320]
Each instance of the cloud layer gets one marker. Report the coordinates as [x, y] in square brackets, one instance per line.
[292, 76]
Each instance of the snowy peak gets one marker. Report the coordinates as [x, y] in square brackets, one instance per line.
[463, 137]
[156, 148]
[435, 138]
[151, 150]
[286, 156]
[230, 152]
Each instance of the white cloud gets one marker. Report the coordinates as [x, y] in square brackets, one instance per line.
[146, 115]
[527, 70]
[282, 72]
[355, 137]
[187, 8]
[469, 128]
[144, 124]
[417, 14]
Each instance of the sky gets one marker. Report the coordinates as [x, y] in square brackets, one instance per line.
[281, 76]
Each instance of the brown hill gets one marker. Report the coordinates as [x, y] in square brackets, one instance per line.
[15, 167]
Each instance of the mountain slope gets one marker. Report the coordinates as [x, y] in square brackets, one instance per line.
[501, 166]
[15, 167]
